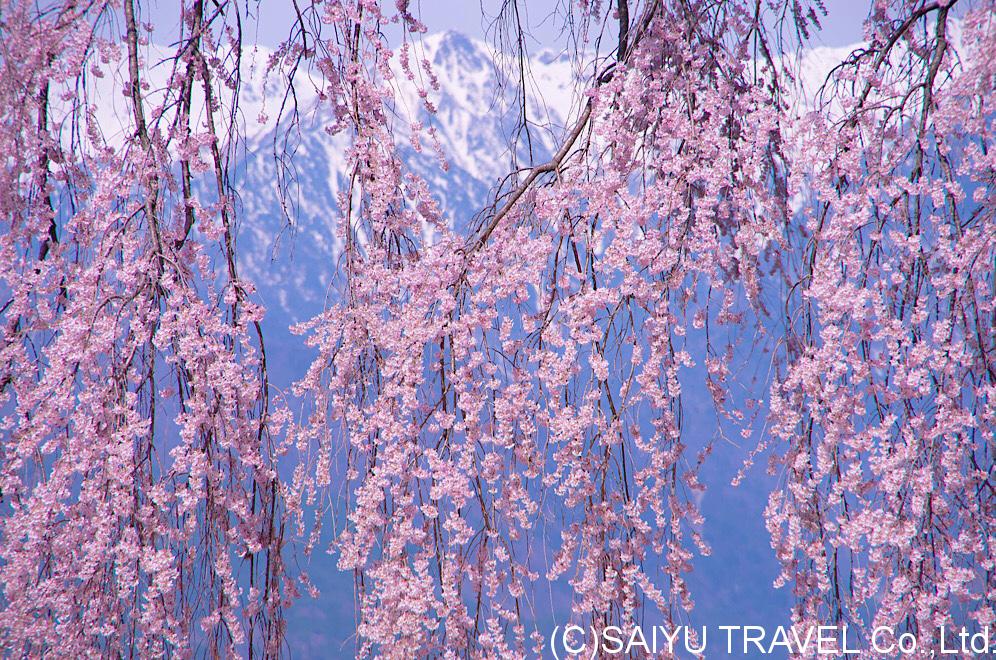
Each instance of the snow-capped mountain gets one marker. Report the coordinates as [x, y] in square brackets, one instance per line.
[288, 243]
[287, 237]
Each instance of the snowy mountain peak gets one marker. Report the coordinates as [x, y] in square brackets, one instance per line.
[453, 49]
[477, 123]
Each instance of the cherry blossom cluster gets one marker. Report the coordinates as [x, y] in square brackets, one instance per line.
[492, 426]
[140, 508]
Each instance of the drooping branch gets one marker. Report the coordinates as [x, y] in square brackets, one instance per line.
[554, 164]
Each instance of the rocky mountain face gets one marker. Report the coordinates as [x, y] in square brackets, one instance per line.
[288, 238]
[291, 176]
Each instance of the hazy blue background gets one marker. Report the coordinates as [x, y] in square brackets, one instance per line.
[731, 587]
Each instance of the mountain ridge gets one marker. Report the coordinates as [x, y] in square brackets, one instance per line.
[288, 240]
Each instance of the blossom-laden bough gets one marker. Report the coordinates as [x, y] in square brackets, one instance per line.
[493, 423]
